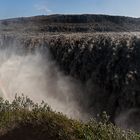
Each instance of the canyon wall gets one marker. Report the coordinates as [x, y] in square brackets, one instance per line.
[105, 69]
[108, 66]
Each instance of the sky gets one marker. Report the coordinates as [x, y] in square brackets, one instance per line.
[25, 8]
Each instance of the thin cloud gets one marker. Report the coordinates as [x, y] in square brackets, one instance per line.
[44, 9]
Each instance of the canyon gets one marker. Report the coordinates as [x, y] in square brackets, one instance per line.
[85, 68]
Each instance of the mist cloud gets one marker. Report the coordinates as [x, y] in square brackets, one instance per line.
[39, 78]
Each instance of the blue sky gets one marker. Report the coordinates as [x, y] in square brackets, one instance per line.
[22, 8]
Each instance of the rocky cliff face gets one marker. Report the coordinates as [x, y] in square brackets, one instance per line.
[107, 64]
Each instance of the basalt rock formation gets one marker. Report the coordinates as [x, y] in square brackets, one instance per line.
[108, 66]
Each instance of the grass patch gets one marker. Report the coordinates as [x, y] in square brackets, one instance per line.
[23, 119]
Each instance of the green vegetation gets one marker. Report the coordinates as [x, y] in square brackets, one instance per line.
[23, 119]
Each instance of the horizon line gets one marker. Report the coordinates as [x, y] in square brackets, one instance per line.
[68, 14]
